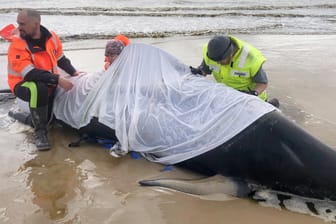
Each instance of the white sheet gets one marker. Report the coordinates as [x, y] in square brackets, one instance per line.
[157, 107]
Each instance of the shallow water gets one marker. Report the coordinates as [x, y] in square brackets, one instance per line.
[87, 185]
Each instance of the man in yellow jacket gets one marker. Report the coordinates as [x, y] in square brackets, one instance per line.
[236, 64]
[33, 60]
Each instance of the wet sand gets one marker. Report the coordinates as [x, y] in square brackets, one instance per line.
[87, 185]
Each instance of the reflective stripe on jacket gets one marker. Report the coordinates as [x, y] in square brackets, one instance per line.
[239, 73]
[21, 59]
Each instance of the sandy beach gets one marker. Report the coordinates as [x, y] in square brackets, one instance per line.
[87, 185]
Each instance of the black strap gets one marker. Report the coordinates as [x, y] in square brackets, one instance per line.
[83, 137]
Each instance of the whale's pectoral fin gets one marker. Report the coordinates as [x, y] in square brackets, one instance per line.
[205, 186]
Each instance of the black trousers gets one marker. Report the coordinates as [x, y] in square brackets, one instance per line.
[43, 93]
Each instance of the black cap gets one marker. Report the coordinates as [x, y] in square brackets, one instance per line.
[219, 48]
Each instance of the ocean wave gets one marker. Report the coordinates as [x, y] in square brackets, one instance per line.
[182, 11]
[162, 34]
[83, 22]
[263, 29]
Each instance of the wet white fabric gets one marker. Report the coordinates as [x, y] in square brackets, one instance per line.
[158, 108]
[67, 105]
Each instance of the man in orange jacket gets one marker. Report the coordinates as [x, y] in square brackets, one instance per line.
[33, 60]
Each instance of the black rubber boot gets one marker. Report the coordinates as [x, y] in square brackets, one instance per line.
[23, 117]
[275, 102]
[40, 122]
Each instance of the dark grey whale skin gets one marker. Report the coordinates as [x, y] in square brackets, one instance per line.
[276, 153]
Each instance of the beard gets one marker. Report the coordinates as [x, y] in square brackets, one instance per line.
[28, 34]
[23, 34]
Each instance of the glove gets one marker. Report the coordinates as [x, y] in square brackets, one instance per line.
[195, 71]
[251, 92]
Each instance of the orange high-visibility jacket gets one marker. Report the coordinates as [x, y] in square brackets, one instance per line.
[22, 59]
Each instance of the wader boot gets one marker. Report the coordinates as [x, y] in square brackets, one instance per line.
[40, 122]
[275, 102]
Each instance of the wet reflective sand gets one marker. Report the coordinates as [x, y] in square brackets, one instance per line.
[87, 185]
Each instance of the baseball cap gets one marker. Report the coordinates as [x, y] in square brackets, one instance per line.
[219, 48]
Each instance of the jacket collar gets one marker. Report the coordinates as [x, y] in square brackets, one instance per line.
[37, 45]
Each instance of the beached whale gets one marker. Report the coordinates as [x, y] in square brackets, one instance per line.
[150, 103]
[218, 185]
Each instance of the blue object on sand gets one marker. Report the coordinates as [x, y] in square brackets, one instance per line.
[167, 168]
[135, 155]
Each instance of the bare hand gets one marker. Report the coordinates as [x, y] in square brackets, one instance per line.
[64, 83]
